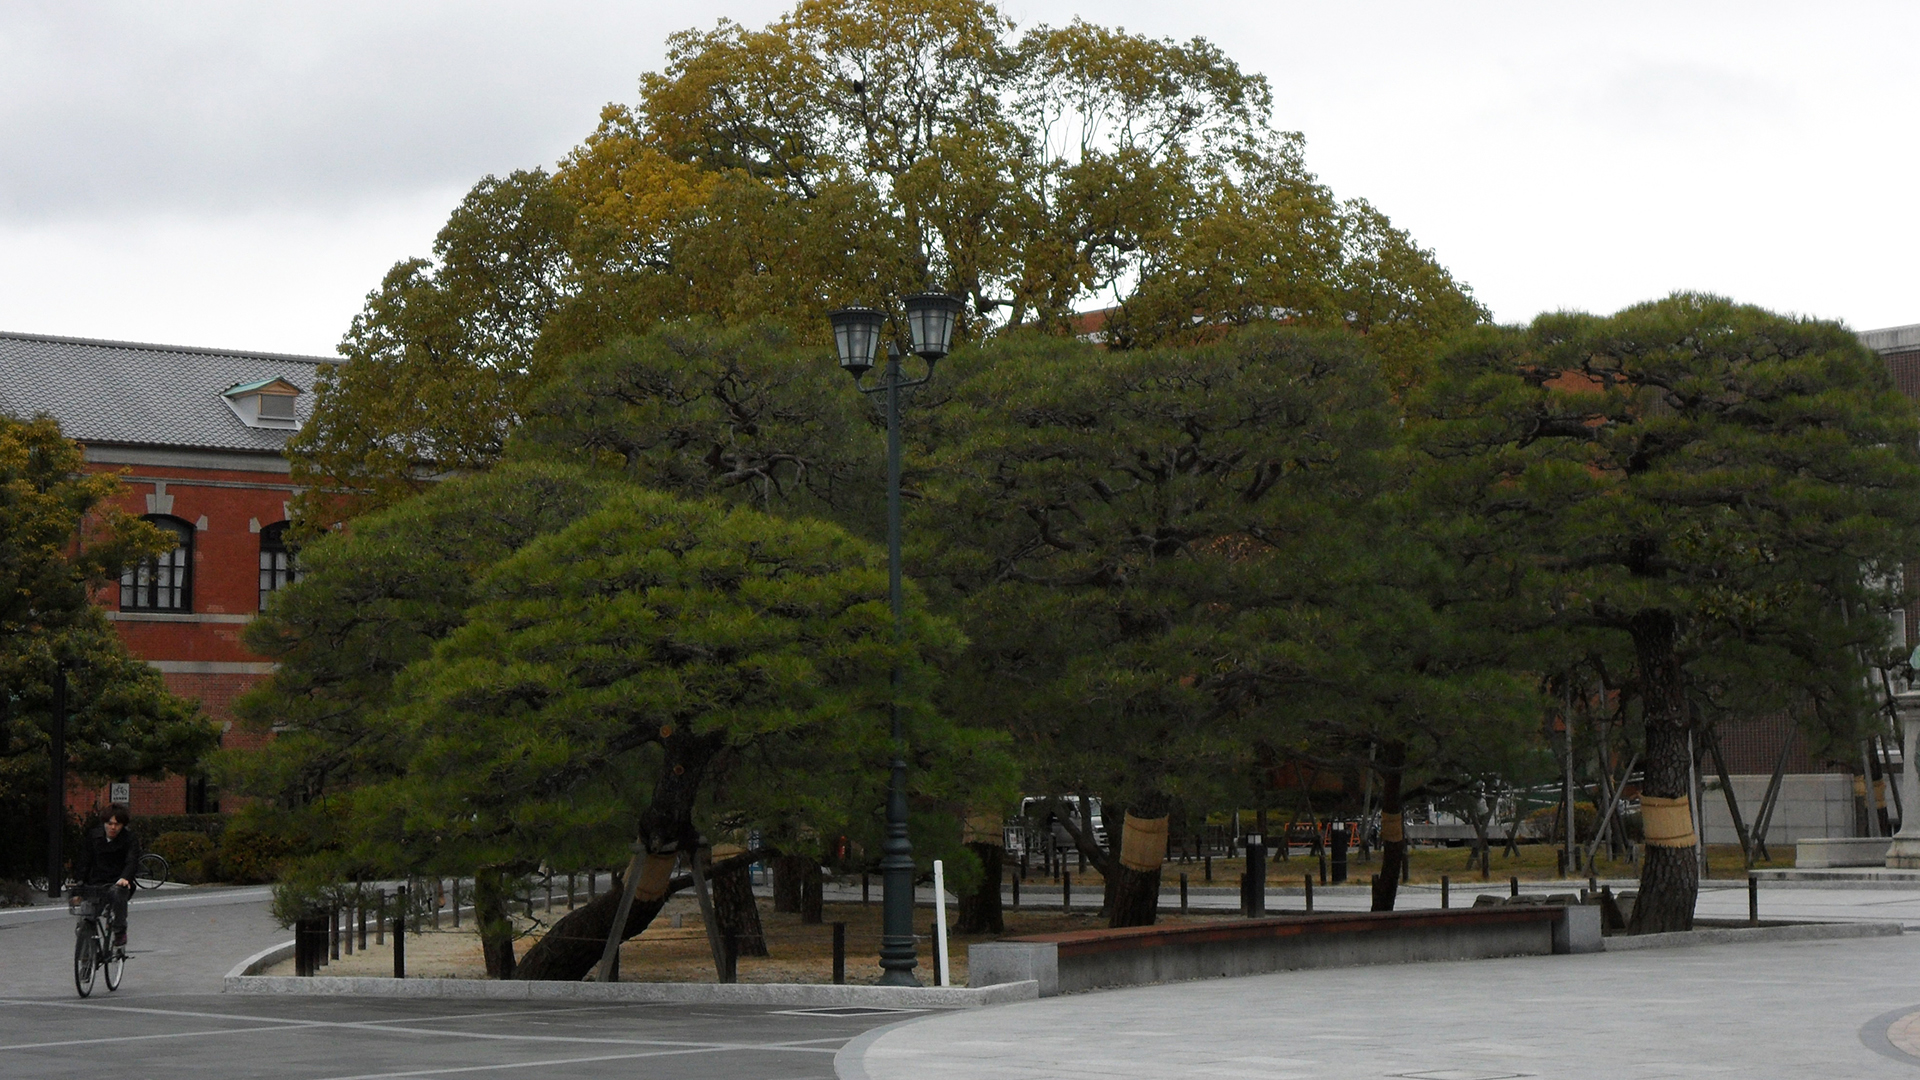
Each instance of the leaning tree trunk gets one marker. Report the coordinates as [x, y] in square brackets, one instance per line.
[980, 911]
[1392, 762]
[572, 947]
[1669, 875]
[735, 909]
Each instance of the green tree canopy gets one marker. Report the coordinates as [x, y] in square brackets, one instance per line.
[61, 540]
[852, 153]
[1726, 492]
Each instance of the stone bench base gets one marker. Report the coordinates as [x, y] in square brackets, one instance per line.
[1093, 959]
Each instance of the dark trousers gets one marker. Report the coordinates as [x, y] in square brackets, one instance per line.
[117, 895]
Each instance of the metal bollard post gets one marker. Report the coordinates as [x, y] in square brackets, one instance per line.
[363, 924]
[1207, 863]
[839, 953]
[1183, 894]
[730, 957]
[346, 931]
[866, 888]
[400, 933]
[1066, 892]
[590, 876]
[1256, 877]
[380, 920]
[1446, 885]
[1016, 892]
[333, 932]
[1753, 900]
[456, 903]
[437, 900]
[1513, 886]
[1406, 865]
[569, 892]
[1307, 880]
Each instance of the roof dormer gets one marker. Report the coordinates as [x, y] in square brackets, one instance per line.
[269, 403]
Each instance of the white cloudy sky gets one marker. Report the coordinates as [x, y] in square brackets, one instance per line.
[240, 174]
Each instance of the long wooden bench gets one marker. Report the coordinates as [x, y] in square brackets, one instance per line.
[1095, 959]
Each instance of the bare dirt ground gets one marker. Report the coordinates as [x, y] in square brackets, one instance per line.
[665, 953]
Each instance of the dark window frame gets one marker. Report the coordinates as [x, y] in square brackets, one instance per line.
[278, 566]
[162, 583]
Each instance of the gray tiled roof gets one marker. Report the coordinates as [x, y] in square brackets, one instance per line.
[144, 395]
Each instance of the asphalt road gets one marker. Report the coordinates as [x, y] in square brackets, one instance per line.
[169, 1020]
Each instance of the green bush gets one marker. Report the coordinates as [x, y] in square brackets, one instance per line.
[251, 855]
[189, 856]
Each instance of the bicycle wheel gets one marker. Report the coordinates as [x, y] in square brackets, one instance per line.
[152, 872]
[115, 964]
[85, 950]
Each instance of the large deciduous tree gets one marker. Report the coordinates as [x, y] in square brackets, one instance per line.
[852, 153]
[1728, 492]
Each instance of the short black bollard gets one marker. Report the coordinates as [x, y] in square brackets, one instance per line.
[1257, 877]
[456, 903]
[1560, 863]
[363, 923]
[1338, 835]
[1446, 886]
[591, 874]
[1183, 894]
[1406, 865]
[380, 920]
[1513, 886]
[1066, 892]
[1307, 880]
[729, 957]
[400, 933]
[1016, 892]
[866, 889]
[1753, 900]
[1593, 884]
[333, 932]
[569, 892]
[1208, 863]
[839, 953]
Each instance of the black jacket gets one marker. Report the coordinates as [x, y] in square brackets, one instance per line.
[104, 861]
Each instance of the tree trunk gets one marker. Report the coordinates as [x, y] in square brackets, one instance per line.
[1391, 762]
[1133, 889]
[735, 909]
[1669, 876]
[980, 911]
[789, 871]
[571, 948]
[491, 918]
[812, 894]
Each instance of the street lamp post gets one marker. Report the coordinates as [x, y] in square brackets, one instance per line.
[856, 336]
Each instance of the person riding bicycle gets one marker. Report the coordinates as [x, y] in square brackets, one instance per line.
[110, 856]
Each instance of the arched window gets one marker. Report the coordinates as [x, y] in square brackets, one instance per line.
[277, 567]
[164, 582]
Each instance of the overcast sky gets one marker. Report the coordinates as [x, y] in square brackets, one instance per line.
[241, 174]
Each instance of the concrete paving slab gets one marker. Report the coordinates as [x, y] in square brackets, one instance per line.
[1787, 1010]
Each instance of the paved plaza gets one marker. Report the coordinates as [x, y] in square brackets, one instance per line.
[1804, 1009]
[1795, 1011]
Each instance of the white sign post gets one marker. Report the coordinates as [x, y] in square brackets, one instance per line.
[940, 919]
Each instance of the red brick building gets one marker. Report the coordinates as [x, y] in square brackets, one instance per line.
[198, 435]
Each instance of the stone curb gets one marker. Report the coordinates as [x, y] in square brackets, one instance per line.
[795, 995]
[1753, 935]
[261, 961]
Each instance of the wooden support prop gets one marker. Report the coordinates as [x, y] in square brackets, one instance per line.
[707, 915]
[639, 866]
[1763, 821]
[1726, 788]
[1612, 803]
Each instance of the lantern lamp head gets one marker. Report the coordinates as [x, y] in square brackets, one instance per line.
[856, 337]
[930, 319]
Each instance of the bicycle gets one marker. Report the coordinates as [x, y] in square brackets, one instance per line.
[93, 947]
[152, 872]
